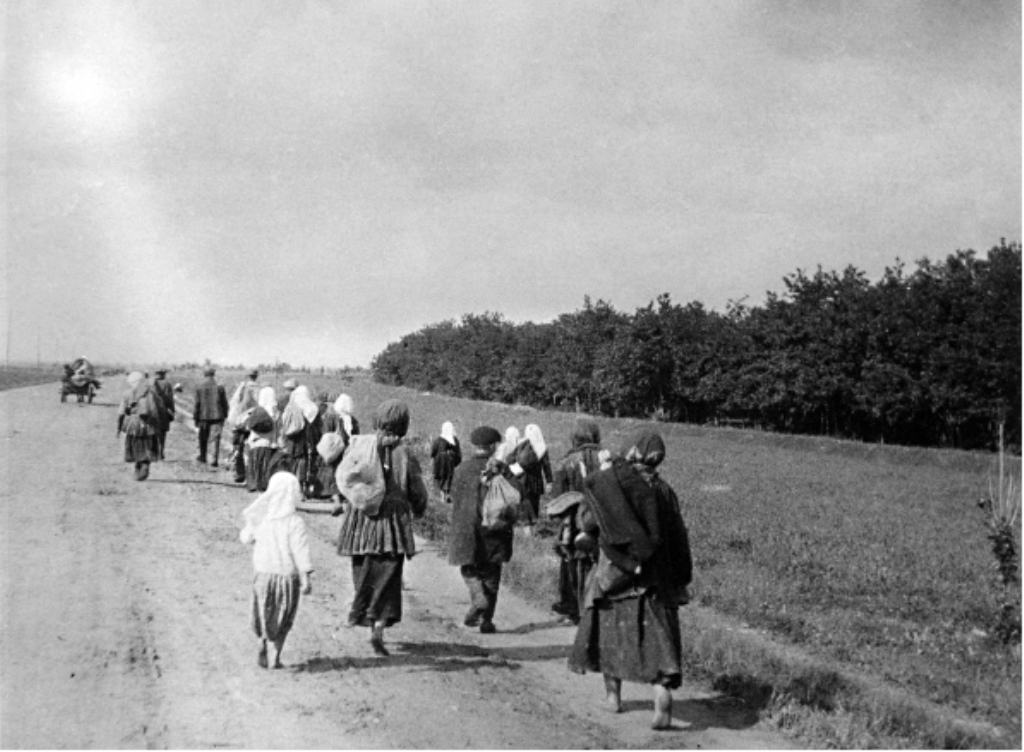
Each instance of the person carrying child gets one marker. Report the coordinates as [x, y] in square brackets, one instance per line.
[281, 562]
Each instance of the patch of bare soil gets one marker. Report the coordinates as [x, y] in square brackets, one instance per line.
[125, 623]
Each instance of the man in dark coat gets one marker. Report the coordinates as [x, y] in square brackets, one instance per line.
[209, 413]
[164, 391]
[478, 552]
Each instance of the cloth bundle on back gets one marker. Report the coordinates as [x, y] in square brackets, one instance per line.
[379, 543]
[446, 454]
[138, 416]
[629, 628]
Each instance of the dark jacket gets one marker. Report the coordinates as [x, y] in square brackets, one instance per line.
[468, 542]
[211, 403]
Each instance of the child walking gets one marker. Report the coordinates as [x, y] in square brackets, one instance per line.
[281, 562]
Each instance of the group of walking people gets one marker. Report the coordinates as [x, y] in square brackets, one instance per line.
[623, 547]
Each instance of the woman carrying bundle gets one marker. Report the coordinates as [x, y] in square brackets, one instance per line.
[138, 416]
[629, 629]
[379, 537]
[570, 474]
[265, 456]
[532, 456]
[338, 419]
[300, 426]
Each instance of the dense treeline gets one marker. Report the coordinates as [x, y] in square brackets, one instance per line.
[930, 358]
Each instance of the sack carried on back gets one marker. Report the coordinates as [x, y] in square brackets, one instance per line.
[330, 447]
[360, 475]
[500, 505]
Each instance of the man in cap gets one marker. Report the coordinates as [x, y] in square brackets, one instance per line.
[209, 413]
[479, 552]
[164, 391]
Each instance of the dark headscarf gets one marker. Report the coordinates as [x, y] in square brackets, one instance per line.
[392, 416]
[646, 447]
[585, 431]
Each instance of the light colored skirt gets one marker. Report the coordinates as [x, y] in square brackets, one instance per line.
[275, 601]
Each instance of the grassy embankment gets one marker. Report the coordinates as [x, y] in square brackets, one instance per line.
[13, 377]
[847, 590]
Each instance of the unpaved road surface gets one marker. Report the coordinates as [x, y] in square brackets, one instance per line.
[125, 623]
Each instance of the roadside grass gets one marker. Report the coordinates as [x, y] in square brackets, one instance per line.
[847, 589]
[13, 377]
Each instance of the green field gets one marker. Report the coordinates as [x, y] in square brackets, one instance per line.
[866, 560]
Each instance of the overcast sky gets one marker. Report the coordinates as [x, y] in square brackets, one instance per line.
[306, 181]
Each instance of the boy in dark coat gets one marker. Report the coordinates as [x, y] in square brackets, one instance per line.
[478, 552]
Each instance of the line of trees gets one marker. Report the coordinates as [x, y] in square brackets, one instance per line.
[930, 357]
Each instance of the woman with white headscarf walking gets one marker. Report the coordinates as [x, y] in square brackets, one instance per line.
[138, 416]
[281, 561]
[446, 455]
[532, 457]
[302, 430]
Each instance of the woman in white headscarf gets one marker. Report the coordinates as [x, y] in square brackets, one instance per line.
[446, 455]
[281, 562]
[338, 418]
[532, 456]
[139, 418]
[301, 445]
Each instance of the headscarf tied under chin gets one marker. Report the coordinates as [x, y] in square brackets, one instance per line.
[448, 432]
[277, 502]
[303, 401]
[343, 407]
[536, 439]
[645, 448]
[509, 444]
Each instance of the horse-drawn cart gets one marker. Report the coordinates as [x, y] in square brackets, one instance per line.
[79, 381]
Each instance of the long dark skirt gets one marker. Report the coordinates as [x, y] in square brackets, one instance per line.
[328, 483]
[634, 639]
[377, 581]
[275, 601]
[264, 462]
[141, 448]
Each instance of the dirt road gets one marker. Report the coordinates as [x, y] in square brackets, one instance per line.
[125, 624]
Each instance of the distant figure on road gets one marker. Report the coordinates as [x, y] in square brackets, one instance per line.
[569, 475]
[164, 391]
[281, 561]
[242, 401]
[380, 544]
[265, 456]
[300, 432]
[139, 418]
[209, 412]
[446, 455]
[478, 551]
[629, 629]
[532, 457]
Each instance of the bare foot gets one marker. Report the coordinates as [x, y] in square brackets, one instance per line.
[662, 708]
[613, 695]
[261, 656]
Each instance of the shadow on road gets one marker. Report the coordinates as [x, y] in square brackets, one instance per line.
[720, 712]
[197, 481]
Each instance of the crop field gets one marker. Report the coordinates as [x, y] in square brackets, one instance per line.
[866, 557]
[14, 377]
